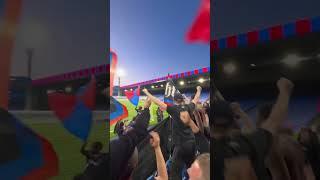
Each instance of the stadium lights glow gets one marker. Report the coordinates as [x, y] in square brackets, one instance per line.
[201, 80]
[131, 89]
[181, 83]
[121, 72]
[161, 85]
[126, 90]
[292, 60]
[152, 87]
[229, 68]
[68, 89]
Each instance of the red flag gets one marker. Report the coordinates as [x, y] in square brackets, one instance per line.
[200, 29]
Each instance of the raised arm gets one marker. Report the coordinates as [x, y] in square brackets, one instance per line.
[217, 93]
[161, 164]
[196, 98]
[280, 109]
[155, 100]
[243, 117]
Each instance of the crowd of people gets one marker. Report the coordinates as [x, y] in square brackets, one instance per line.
[242, 149]
[265, 150]
[190, 153]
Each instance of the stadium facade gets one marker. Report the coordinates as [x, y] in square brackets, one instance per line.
[70, 82]
[247, 66]
[186, 82]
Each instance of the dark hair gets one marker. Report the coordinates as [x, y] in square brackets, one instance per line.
[264, 112]
[178, 97]
[97, 145]
[313, 138]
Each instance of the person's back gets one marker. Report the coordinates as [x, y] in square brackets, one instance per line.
[181, 132]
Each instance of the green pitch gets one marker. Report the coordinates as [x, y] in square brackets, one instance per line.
[71, 162]
[132, 112]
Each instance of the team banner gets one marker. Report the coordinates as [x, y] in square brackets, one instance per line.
[170, 92]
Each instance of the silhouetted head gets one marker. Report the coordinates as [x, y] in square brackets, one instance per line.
[96, 147]
[178, 98]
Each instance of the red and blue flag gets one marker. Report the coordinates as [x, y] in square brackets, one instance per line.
[118, 111]
[113, 69]
[24, 154]
[133, 96]
[200, 29]
[75, 111]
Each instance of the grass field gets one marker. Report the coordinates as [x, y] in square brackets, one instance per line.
[71, 162]
[67, 146]
[132, 112]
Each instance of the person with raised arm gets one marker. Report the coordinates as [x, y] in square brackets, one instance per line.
[184, 143]
[123, 147]
[242, 156]
[161, 164]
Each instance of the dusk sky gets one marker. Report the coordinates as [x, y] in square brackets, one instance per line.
[66, 36]
[235, 17]
[149, 38]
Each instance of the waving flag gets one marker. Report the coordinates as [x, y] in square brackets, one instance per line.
[113, 69]
[75, 111]
[200, 29]
[170, 92]
[133, 96]
[10, 11]
[118, 111]
[24, 154]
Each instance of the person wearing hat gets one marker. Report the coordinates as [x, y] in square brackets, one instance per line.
[184, 145]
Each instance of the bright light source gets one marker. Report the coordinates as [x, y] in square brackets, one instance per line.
[152, 87]
[161, 85]
[68, 89]
[201, 80]
[229, 68]
[181, 83]
[126, 90]
[121, 72]
[131, 89]
[253, 65]
[292, 60]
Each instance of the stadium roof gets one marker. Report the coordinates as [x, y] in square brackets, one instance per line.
[297, 28]
[259, 58]
[73, 75]
[172, 76]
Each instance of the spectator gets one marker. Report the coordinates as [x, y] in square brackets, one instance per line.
[242, 156]
[200, 168]
[183, 137]
[122, 148]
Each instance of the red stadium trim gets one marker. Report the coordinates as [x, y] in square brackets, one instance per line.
[172, 76]
[300, 27]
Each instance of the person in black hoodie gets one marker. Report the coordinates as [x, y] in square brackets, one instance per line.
[122, 148]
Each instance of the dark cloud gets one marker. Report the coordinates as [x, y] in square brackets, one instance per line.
[66, 36]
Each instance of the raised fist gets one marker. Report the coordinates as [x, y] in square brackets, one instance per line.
[155, 139]
[145, 91]
[199, 88]
[285, 85]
